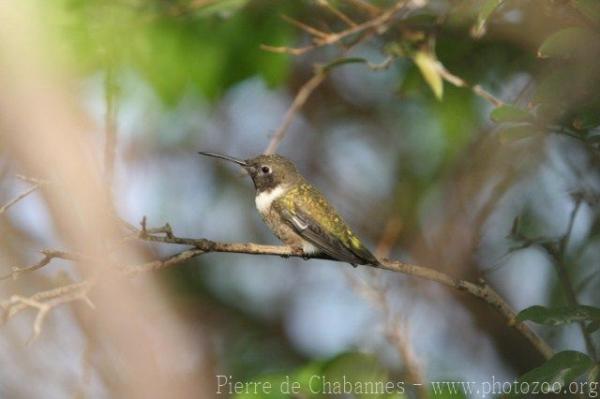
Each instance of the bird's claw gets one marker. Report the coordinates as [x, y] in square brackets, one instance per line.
[298, 251]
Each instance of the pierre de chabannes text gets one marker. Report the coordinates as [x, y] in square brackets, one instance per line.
[319, 384]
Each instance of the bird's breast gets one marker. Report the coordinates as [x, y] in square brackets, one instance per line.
[264, 199]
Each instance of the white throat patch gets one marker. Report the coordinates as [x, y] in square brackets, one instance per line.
[266, 198]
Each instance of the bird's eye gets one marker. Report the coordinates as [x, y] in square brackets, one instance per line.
[265, 169]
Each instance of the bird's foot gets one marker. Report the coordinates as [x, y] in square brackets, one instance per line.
[297, 251]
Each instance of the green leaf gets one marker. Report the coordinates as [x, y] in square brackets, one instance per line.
[509, 113]
[485, 12]
[559, 316]
[561, 369]
[430, 69]
[516, 132]
[551, 84]
[565, 43]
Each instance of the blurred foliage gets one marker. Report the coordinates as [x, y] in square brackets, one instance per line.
[350, 374]
[174, 45]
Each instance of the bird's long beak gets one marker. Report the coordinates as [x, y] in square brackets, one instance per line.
[225, 157]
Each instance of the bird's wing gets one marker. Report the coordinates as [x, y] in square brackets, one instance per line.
[330, 235]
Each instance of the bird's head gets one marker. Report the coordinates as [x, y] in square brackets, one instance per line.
[266, 171]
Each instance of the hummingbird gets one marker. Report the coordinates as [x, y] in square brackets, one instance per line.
[297, 213]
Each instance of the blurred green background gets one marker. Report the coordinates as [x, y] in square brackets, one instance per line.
[424, 171]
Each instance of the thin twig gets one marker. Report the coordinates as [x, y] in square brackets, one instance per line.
[300, 99]
[365, 5]
[326, 4]
[49, 254]
[376, 22]
[287, 50]
[564, 241]
[166, 229]
[44, 302]
[307, 28]
[395, 327]
[33, 180]
[558, 254]
[556, 249]
[162, 264]
[18, 198]
[381, 66]
[477, 89]
[322, 39]
[399, 336]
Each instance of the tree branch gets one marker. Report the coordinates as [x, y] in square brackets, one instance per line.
[201, 246]
[479, 290]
